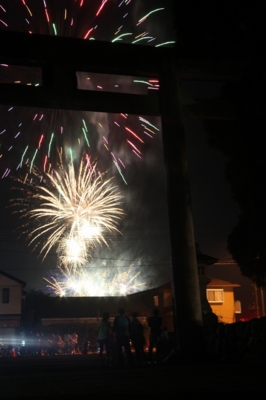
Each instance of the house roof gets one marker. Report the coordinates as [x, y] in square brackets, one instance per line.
[86, 307]
[220, 283]
[153, 291]
[204, 259]
[12, 277]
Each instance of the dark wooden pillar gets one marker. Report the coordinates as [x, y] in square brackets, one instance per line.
[188, 316]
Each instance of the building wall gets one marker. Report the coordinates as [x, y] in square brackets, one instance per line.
[10, 312]
[225, 310]
[15, 296]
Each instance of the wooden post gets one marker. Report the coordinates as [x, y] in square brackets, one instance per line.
[188, 315]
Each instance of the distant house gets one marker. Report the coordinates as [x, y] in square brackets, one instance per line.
[50, 311]
[160, 298]
[87, 311]
[82, 314]
[220, 295]
[11, 292]
[217, 297]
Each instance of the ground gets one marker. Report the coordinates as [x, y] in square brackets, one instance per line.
[70, 377]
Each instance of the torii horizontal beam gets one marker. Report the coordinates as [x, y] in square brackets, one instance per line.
[51, 54]
[86, 55]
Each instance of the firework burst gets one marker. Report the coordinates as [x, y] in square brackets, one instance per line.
[34, 134]
[90, 283]
[62, 210]
[74, 210]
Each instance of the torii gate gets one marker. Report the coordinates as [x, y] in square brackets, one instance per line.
[60, 58]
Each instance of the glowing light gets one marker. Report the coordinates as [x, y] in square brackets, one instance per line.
[147, 15]
[120, 37]
[72, 206]
[72, 251]
[121, 162]
[149, 123]
[54, 28]
[134, 134]
[165, 43]
[136, 154]
[120, 172]
[90, 282]
[145, 82]
[84, 123]
[146, 133]
[134, 147]
[86, 137]
[50, 143]
[45, 162]
[40, 141]
[32, 161]
[3, 22]
[47, 15]
[87, 34]
[4, 174]
[100, 9]
[21, 161]
[27, 7]
[142, 38]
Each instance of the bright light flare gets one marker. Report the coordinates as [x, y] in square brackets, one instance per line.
[91, 282]
[88, 231]
[73, 251]
[74, 210]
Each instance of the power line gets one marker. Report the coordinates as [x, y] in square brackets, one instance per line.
[102, 267]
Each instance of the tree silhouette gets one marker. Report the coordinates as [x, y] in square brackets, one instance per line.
[243, 142]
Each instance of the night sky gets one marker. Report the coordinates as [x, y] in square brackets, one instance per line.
[145, 239]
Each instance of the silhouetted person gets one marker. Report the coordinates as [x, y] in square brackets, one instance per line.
[51, 344]
[136, 330]
[121, 331]
[86, 345]
[104, 330]
[155, 324]
[67, 340]
[60, 343]
[74, 342]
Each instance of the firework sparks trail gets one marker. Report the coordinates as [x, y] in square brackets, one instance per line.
[30, 138]
[82, 19]
[86, 283]
[74, 211]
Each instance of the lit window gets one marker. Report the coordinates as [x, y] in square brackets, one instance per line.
[5, 295]
[237, 307]
[215, 295]
[156, 301]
